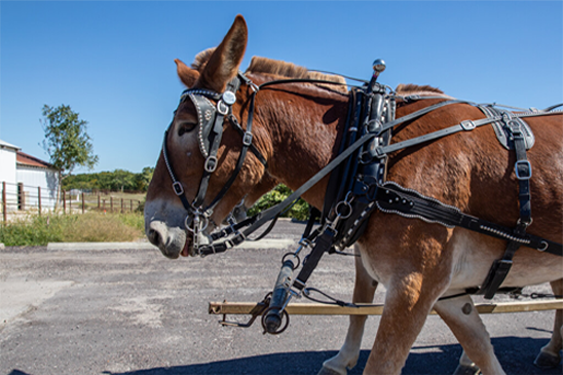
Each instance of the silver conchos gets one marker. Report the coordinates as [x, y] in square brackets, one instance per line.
[229, 97]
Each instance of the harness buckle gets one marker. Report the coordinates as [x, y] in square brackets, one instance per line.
[523, 170]
[238, 239]
[515, 128]
[468, 125]
[222, 107]
[248, 81]
[178, 188]
[544, 246]
[210, 164]
[247, 139]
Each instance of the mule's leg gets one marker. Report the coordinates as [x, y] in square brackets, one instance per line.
[549, 356]
[463, 319]
[364, 290]
[408, 301]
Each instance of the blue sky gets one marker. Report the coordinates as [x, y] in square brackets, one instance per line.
[113, 62]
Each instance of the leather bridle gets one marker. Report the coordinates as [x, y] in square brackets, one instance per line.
[210, 130]
[211, 118]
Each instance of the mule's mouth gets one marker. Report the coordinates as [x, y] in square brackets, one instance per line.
[203, 239]
[188, 249]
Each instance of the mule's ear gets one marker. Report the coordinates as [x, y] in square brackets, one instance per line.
[224, 62]
[187, 75]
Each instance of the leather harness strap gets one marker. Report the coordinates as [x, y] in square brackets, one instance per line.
[500, 268]
[362, 165]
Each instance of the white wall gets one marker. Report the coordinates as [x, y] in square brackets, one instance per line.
[8, 165]
[8, 175]
[34, 177]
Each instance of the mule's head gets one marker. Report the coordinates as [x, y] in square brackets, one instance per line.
[188, 176]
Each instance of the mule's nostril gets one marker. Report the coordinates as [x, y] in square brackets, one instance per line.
[154, 237]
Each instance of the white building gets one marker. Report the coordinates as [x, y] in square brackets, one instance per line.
[29, 181]
[38, 178]
[8, 177]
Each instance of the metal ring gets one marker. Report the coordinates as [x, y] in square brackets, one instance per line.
[295, 256]
[205, 222]
[222, 107]
[544, 247]
[283, 328]
[338, 206]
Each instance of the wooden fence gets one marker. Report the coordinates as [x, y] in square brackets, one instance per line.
[17, 199]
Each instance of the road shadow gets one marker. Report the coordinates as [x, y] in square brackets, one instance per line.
[516, 355]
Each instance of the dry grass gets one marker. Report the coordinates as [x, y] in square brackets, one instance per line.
[89, 227]
[97, 227]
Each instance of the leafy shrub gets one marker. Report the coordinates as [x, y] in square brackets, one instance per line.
[299, 211]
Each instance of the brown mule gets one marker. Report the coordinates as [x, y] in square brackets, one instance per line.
[297, 129]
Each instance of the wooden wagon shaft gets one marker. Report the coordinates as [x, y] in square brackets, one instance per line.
[242, 308]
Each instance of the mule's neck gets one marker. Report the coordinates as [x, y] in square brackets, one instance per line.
[303, 124]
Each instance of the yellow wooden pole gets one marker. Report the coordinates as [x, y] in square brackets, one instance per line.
[243, 308]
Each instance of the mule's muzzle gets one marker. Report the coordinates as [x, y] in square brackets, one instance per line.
[154, 237]
[170, 241]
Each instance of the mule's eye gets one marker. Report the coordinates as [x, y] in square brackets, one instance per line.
[185, 127]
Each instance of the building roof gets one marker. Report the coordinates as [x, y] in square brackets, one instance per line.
[4, 144]
[25, 159]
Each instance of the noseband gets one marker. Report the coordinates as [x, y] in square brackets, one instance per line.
[210, 131]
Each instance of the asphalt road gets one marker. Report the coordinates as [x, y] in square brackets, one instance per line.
[132, 311]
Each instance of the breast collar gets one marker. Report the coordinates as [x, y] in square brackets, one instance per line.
[211, 118]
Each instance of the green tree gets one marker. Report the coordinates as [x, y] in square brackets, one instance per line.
[143, 179]
[66, 141]
[122, 180]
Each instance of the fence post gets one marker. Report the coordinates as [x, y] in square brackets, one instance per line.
[131, 205]
[99, 207]
[70, 202]
[83, 205]
[111, 204]
[39, 200]
[104, 204]
[21, 197]
[4, 206]
[122, 205]
[64, 202]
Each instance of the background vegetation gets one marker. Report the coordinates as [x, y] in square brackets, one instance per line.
[299, 211]
[118, 180]
[69, 145]
[99, 226]
[90, 227]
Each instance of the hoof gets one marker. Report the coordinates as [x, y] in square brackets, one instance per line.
[546, 360]
[329, 371]
[467, 370]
